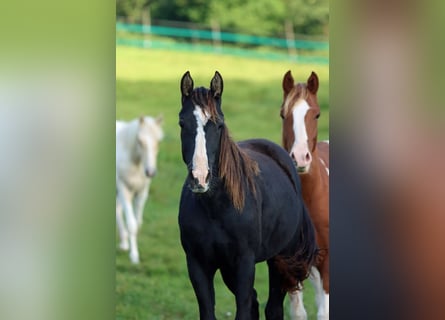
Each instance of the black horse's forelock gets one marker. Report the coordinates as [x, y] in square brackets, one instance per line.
[202, 98]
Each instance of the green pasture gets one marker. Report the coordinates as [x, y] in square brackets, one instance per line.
[147, 82]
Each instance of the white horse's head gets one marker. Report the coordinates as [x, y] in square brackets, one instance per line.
[149, 135]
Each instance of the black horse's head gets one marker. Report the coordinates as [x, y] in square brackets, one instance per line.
[201, 121]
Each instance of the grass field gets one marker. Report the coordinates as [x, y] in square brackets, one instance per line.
[147, 82]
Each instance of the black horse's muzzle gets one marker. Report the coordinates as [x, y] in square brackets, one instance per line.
[196, 186]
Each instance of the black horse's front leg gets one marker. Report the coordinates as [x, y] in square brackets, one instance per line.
[201, 276]
[274, 306]
[245, 293]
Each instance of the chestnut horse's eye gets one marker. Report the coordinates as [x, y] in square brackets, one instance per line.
[317, 116]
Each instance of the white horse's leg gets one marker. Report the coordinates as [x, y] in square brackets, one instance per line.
[123, 233]
[132, 227]
[322, 298]
[139, 203]
[297, 310]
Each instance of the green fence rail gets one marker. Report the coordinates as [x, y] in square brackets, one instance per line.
[220, 42]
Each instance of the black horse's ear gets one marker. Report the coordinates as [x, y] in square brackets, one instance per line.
[216, 85]
[312, 83]
[288, 83]
[186, 84]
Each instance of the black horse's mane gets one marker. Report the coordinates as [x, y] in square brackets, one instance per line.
[236, 168]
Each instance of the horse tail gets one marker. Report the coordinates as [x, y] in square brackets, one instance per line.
[296, 268]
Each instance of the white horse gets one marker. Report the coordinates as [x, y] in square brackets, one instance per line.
[137, 144]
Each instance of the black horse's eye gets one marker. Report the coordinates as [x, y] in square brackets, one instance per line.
[317, 116]
[181, 123]
[219, 124]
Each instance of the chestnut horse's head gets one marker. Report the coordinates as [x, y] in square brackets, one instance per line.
[300, 112]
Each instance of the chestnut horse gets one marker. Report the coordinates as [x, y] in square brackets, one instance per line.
[240, 204]
[300, 112]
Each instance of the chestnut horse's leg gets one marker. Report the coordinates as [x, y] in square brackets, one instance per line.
[201, 277]
[297, 310]
[321, 296]
[274, 306]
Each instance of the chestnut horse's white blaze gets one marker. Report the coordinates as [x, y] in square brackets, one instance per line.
[300, 149]
[200, 169]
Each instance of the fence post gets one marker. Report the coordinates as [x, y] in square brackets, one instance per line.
[216, 36]
[146, 25]
[290, 39]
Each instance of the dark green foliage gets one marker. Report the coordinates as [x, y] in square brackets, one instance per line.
[257, 17]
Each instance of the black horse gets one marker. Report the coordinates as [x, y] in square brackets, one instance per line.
[240, 204]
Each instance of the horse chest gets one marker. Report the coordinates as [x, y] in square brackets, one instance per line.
[134, 178]
[216, 238]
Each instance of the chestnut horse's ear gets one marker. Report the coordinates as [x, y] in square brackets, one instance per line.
[288, 83]
[312, 83]
[216, 85]
[186, 84]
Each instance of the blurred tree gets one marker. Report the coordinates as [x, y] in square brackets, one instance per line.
[130, 9]
[265, 17]
[308, 16]
[181, 10]
[259, 17]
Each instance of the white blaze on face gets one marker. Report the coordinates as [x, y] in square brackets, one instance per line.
[154, 135]
[151, 156]
[300, 149]
[149, 135]
[200, 163]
